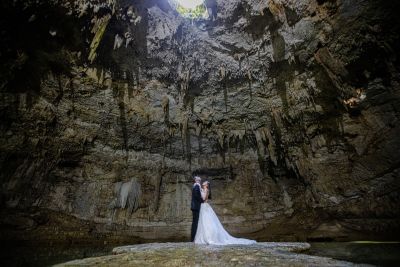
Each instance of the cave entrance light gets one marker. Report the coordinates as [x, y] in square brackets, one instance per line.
[189, 4]
[193, 9]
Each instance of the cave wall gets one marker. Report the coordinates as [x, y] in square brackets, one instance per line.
[289, 108]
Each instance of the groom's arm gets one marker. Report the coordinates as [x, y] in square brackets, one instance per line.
[197, 194]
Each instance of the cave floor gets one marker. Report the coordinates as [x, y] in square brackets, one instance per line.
[189, 254]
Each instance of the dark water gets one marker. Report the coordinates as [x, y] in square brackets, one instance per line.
[376, 253]
[23, 254]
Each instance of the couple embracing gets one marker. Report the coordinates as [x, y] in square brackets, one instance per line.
[206, 227]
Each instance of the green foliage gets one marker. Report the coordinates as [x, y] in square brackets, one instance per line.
[195, 13]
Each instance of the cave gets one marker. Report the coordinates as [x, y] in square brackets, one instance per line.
[110, 108]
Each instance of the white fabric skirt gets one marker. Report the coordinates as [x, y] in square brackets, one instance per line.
[210, 230]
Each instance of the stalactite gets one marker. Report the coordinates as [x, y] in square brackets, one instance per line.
[277, 125]
[179, 199]
[221, 137]
[185, 79]
[271, 146]
[127, 195]
[237, 136]
[169, 134]
[185, 133]
[249, 76]
[239, 58]
[72, 89]
[60, 91]
[171, 130]
[122, 118]
[159, 184]
[277, 118]
[128, 38]
[165, 106]
[222, 72]
[199, 129]
[221, 142]
[188, 145]
[260, 139]
[117, 41]
[264, 137]
[101, 77]
[287, 201]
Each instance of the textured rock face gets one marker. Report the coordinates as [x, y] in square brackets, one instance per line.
[188, 254]
[289, 108]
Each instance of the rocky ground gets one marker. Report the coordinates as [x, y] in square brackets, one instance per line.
[188, 254]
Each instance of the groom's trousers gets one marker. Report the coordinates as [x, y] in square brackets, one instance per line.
[195, 222]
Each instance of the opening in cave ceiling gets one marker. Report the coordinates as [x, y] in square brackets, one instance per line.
[190, 8]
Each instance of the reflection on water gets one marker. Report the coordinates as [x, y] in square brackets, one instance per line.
[377, 253]
[46, 255]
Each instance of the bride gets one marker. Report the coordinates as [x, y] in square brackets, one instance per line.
[210, 230]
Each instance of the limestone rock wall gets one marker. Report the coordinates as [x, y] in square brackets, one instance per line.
[289, 108]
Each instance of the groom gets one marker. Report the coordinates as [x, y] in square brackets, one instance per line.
[195, 206]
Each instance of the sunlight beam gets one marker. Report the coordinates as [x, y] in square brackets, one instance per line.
[190, 4]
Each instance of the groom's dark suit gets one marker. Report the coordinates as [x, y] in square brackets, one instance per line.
[195, 207]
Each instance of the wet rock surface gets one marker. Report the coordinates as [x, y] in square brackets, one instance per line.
[188, 254]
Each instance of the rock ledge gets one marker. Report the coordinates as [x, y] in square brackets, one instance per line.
[188, 254]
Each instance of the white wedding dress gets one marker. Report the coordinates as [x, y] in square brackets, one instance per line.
[210, 230]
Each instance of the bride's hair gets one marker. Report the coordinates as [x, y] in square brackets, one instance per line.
[209, 189]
